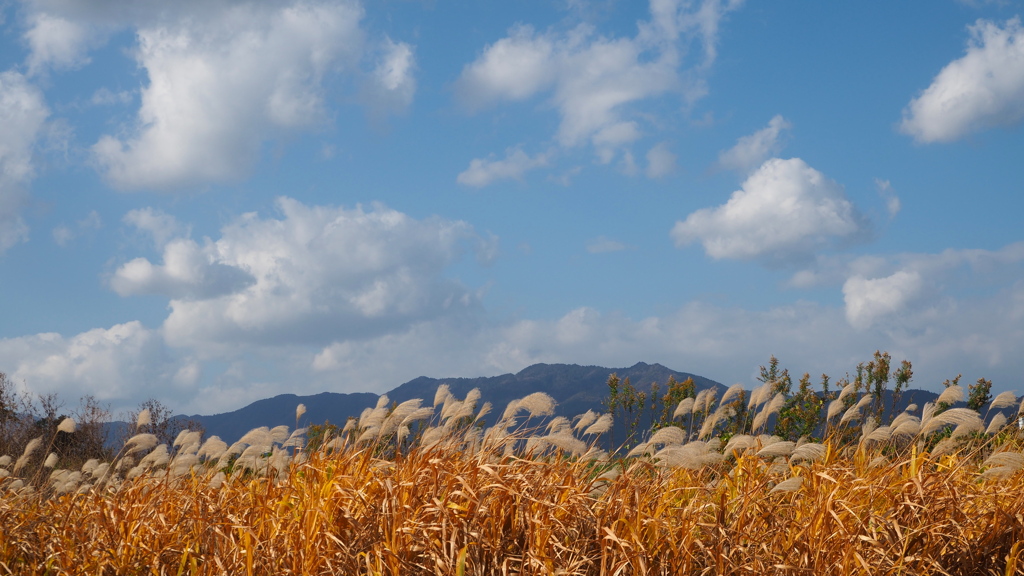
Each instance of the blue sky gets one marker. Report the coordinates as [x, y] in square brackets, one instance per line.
[213, 202]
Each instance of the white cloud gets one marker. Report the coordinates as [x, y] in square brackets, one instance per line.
[125, 361]
[392, 85]
[892, 201]
[871, 300]
[785, 210]
[23, 113]
[593, 79]
[485, 171]
[315, 274]
[983, 89]
[63, 234]
[158, 224]
[222, 85]
[104, 97]
[660, 161]
[751, 151]
[603, 244]
[57, 42]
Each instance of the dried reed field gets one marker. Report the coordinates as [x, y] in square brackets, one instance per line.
[408, 489]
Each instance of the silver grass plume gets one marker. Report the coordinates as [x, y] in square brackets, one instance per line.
[50, 461]
[5, 460]
[854, 412]
[768, 411]
[667, 435]
[791, 485]
[692, 456]
[558, 424]
[258, 436]
[484, 411]
[383, 401]
[299, 411]
[953, 416]
[67, 425]
[417, 415]
[584, 420]
[722, 413]
[1003, 400]
[811, 452]
[740, 443]
[140, 443]
[698, 402]
[442, 394]
[1003, 464]
[945, 446]
[709, 400]
[31, 447]
[213, 448]
[538, 404]
[297, 439]
[732, 393]
[143, 419]
[279, 434]
[684, 408]
[951, 395]
[880, 434]
[997, 423]
[638, 450]
[759, 395]
[603, 425]
[834, 408]
[90, 465]
[907, 428]
[781, 448]
[566, 442]
[158, 457]
[968, 428]
[510, 410]
[4, 473]
[397, 417]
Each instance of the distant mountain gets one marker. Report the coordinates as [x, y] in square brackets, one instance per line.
[575, 388]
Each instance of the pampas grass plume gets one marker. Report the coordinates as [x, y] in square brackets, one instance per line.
[538, 404]
[791, 485]
[603, 425]
[51, 461]
[684, 408]
[951, 395]
[67, 425]
[731, 393]
[997, 423]
[144, 419]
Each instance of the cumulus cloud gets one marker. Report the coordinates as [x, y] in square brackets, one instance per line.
[593, 79]
[392, 84]
[57, 42]
[221, 86]
[485, 171]
[786, 210]
[158, 224]
[751, 151]
[125, 361]
[314, 274]
[868, 301]
[660, 161]
[23, 113]
[981, 90]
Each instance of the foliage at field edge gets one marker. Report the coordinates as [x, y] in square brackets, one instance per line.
[768, 481]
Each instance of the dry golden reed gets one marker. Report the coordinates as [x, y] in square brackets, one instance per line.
[447, 497]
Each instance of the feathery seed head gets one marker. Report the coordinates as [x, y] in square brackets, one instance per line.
[5, 460]
[558, 424]
[538, 404]
[279, 434]
[601, 426]
[31, 447]
[811, 451]
[299, 411]
[140, 443]
[382, 401]
[791, 485]
[951, 395]
[50, 461]
[510, 410]
[781, 448]
[846, 391]
[67, 425]
[213, 448]
[584, 420]
[684, 408]
[880, 434]
[834, 408]
[668, 435]
[731, 394]
[740, 443]
[759, 395]
[1003, 400]
[997, 423]
[956, 417]
[442, 394]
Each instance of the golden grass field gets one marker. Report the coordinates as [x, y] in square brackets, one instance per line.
[412, 490]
